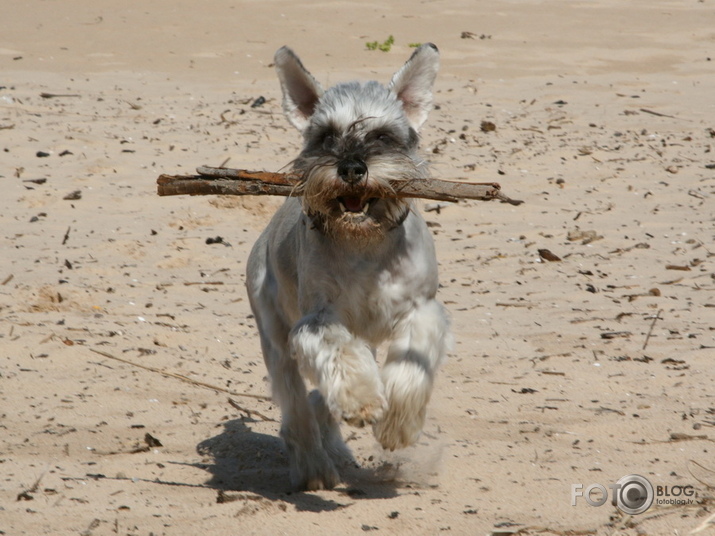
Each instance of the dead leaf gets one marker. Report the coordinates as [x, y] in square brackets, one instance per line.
[546, 255]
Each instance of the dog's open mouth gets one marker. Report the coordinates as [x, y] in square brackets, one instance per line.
[354, 204]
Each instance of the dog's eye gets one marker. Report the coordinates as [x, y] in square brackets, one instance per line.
[328, 140]
[383, 138]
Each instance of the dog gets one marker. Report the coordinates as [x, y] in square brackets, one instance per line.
[348, 266]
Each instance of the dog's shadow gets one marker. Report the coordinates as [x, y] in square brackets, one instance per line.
[241, 460]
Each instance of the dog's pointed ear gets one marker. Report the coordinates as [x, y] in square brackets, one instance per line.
[413, 83]
[300, 90]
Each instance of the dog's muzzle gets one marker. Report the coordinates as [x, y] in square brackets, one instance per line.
[352, 170]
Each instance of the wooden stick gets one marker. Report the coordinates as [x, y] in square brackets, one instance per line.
[226, 181]
[652, 325]
[179, 376]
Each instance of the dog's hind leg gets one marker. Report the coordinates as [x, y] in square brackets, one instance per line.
[419, 344]
[330, 431]
[311, 466]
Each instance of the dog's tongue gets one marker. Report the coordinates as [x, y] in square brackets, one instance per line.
[353, 204]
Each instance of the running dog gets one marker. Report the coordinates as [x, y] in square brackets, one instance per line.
[348, 265]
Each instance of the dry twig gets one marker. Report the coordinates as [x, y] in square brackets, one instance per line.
[707, 470]
[180, 377]
[226, 181]
[705, 525]
[249, 412]
[652, 325]
[26, 495]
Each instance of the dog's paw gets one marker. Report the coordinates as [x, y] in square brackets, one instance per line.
[407, 387]
[369, 413]
[399, 429]
[358, 404]
[353, 390]
[314, 474]
[324, 480]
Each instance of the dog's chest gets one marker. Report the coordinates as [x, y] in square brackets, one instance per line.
[372, 300]
[369, 292]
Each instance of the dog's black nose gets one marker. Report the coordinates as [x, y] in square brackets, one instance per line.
[352, 170]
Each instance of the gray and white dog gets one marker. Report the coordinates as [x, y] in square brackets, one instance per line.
[349, 267]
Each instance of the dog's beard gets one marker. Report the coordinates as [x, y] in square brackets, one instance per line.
[361, 213]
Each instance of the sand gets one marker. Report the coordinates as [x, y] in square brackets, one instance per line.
[124, 334]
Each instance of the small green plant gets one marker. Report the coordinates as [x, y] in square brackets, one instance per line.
[414, 45]
[384, 46]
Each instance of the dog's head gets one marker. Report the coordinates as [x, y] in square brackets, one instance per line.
[356, 137]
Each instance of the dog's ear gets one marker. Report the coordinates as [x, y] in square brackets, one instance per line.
[413, 83]
[300, 90]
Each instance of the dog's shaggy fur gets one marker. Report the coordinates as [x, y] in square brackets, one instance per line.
[348, 268]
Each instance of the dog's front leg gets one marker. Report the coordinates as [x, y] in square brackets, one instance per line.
[419, 344]
[341, 365]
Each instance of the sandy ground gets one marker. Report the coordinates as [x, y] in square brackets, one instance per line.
[114, 310]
